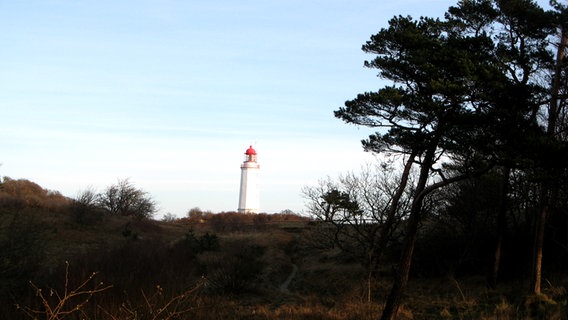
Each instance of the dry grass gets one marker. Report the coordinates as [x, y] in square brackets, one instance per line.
[327, 285]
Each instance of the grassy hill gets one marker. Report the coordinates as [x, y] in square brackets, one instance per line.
[212, 266]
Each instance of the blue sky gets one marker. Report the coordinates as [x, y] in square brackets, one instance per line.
[170, 94]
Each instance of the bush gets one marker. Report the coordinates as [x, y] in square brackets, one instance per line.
[139, 265]
[234, 271]
[84, 208]
[17, 194]
[196, 245]
[58, 304]
[21, 252]
[123, 199]
[229, 221]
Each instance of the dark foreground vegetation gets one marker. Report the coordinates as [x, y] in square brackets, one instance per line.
[478, 94]
[465, 219]
[59, 265]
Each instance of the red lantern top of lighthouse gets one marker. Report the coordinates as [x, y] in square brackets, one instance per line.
[250, 155]
[250, 151]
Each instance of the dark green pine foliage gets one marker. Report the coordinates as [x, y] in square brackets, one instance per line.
[475, 87]
[467, 89]
[436, 97]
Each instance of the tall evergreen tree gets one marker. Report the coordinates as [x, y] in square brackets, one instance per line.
[465, 89]
[551, 162]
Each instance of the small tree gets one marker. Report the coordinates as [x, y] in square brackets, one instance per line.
[85, 208]
[357, 212]
[123, 199]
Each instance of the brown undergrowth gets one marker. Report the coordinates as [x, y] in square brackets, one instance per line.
[192, 269]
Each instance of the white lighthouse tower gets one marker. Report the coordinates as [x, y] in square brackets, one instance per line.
[249, 200]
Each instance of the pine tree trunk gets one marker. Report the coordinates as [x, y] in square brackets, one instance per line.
[401, 277]
[501, 228]
[538, 242]
[387, 226]
[544, 201]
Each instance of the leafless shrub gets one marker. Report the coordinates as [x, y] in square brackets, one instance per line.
[159, 305]
[123, 199]
[58, 305]
[84, 207]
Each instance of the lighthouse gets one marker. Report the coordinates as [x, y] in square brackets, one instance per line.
[249, 200]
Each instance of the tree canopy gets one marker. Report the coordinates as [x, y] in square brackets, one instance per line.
[468, 92]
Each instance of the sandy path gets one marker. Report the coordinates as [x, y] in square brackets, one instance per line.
[286, 283]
